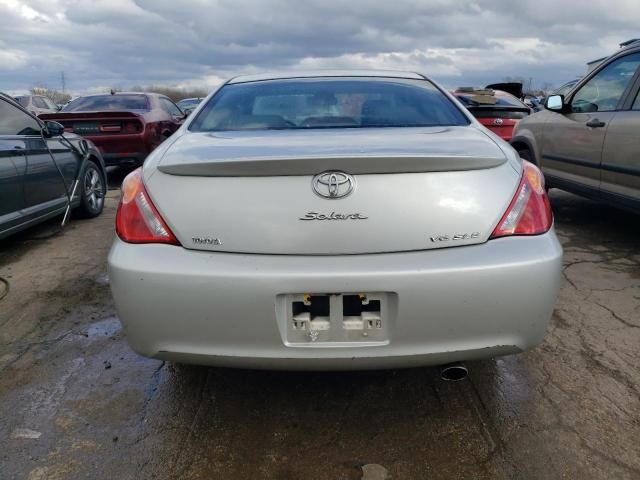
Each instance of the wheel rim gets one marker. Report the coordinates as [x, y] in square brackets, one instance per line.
[93, 189]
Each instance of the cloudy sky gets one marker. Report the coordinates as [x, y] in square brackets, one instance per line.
[192, 43]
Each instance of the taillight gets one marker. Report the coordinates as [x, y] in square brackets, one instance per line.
[137, 220]
[529, 212]
[132, 127]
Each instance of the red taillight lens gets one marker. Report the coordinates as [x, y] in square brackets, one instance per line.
[529, 212]
[137, 220]
[132, 127]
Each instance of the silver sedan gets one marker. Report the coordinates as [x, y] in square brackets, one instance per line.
[334, 220]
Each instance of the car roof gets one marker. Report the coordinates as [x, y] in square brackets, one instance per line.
[502, 93]
[11, 99]
[630, 44]
[324, 74]
[107, 94]
[490, 92]
[462, 92]
[632, 47]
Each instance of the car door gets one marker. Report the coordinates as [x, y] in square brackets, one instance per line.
[12, 163]
[573, 141]
[42, 187]
[621, 152]
[44, 190]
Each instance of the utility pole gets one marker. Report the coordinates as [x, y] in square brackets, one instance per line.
[63, 81]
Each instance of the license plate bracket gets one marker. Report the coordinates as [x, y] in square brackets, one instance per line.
[340, 319]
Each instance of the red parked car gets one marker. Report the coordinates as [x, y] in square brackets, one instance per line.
[126, 127]
[499, 111]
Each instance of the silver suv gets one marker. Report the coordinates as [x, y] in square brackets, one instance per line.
[588, 141]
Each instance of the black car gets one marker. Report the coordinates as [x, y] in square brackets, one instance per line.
[38, 166]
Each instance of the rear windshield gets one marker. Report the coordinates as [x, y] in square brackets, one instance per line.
[327, 103]
[503, 100]
[108, 102]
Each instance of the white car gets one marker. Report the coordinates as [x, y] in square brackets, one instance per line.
[342, 220]
[37, 104]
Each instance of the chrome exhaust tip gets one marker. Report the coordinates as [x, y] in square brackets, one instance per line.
[453, 372]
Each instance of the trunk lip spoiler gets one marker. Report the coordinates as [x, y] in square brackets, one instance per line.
[311, 165]
[278, 154]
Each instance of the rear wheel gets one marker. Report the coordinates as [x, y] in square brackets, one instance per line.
[93, 190]
[525, 154]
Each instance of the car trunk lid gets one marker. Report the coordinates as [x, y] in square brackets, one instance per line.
[253, 192]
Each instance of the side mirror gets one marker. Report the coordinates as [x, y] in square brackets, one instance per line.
[53, 129]
[555, 103]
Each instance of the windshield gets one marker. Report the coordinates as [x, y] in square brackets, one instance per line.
[24, 101]
[49, 103]
[564, 89]
[108, 102]
[189, 102]
[327, 103]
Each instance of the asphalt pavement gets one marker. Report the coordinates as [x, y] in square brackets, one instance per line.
[77, 403]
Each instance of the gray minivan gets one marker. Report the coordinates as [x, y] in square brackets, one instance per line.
[37, 168]
[588, 140]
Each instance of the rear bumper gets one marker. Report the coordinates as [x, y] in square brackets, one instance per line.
[220, 308]
[122, 149]
[129, 158]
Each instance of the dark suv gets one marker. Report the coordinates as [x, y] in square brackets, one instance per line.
[588, 140]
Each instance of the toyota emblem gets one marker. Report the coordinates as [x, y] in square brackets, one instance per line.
[333, 184]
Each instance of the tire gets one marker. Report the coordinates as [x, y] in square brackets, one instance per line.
[525, 154]
[92, 191]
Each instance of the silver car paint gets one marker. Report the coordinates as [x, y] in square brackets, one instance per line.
[403, 211]
[471, 301]
[220, 308]
[306, 152]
